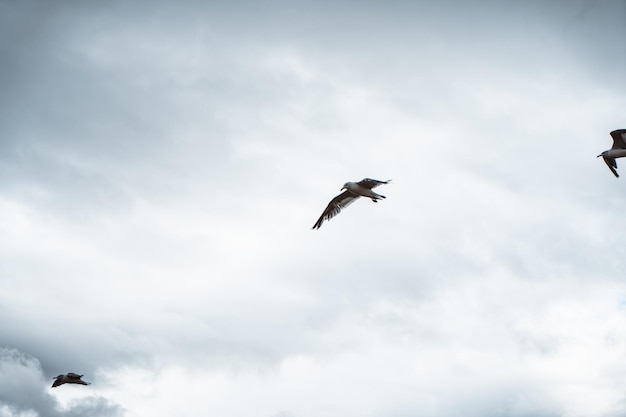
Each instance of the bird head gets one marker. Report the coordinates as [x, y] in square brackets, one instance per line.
[602, 154]
[346, 186]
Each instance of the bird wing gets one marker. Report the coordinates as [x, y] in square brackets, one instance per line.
[338, 203]
[612, 164]
[73, 375]
[371, 183]
[57, 382]
[619, 139]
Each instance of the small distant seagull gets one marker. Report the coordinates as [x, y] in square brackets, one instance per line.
[70, 378]
[353, 191]
[618, 150]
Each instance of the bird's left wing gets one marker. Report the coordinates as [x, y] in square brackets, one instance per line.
[612, 164]
[335, 206]
[371, 183]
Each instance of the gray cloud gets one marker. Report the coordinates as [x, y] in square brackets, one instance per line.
[161, 165]
[23, 390]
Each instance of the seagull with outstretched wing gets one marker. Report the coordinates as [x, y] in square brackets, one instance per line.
[70, 378]
[353, 191]
[618, 150]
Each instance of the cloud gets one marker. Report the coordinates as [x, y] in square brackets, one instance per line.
[161, 167]
[23, 391]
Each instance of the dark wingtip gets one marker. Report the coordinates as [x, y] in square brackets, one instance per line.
[318, 223]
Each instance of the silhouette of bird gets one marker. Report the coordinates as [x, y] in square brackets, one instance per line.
[70, 378]
[353, 191]
[618, 150]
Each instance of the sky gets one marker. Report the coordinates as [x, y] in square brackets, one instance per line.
[162, 164]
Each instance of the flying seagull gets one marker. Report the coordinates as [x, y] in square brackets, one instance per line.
[353, 191]
[617, 150]
[70, 378]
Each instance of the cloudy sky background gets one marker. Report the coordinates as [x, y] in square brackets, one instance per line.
[162, 163]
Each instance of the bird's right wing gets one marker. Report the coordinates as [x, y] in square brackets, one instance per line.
[619, 139]
[371, 183]
[610, 162]
[57, 382]
[335, 206]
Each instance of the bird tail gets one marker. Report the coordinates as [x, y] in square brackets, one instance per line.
[375, 196]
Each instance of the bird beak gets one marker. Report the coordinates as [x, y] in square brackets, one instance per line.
[599, 156]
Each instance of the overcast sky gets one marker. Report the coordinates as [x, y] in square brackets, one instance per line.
[162, 164]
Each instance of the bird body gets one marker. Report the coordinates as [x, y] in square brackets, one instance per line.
[353, 190]
[618, 150]
[362, 190]
[70, 378]
[614, 153]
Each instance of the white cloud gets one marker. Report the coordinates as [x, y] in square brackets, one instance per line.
[162, 167]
